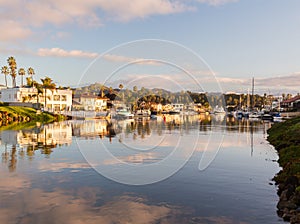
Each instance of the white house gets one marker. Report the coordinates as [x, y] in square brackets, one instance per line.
[92, 102]
[56, 100]
[18, 95]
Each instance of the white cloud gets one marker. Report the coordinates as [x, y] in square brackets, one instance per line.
[13, 30]
[216, 2]
[58, 52]
[20, 18]
[126, 59]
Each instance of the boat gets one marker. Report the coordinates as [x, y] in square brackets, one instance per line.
[143, 113]
[267, 117]
[219, 110]
[124, 112]
[277, 117]
[254, 115]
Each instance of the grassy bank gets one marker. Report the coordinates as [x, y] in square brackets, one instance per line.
[286, 139]
[14, 115]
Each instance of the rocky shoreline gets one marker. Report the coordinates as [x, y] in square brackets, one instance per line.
[285, 137]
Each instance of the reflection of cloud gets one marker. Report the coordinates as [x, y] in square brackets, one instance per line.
[139, 158]
[38, 206]
[58, 167]
[216, 220]
[13, 184]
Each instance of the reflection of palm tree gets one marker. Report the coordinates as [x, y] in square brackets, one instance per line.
[13, 160]
[5, 72]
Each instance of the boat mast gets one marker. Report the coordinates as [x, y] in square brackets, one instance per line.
[252, 100]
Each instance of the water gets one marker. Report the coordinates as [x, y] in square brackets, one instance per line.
[203, 169]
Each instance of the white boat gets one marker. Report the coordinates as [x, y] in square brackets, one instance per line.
[277, 118]
[255, 115]
[143, 113]
[124, 113]
[219, 110]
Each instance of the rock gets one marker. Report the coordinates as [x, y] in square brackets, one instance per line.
[287, 193]
[286, 205]
[295, 219]
[292, 180]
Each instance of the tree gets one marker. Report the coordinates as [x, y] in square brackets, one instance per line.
[47, 83]
[22, 73]
[5, 72]
[12, 69]
[31, 73]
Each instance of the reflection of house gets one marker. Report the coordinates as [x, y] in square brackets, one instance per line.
[56, 100]
[51, 134]
[292, 104]
[91, 128]
[90, 102]
[177, 106]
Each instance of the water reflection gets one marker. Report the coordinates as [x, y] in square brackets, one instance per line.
[41, 184]
[44, 138]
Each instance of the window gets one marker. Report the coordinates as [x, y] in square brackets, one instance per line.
[63, 97]
[56, 98]
[56, 107]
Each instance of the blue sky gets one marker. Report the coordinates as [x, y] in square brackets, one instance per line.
[237, 39]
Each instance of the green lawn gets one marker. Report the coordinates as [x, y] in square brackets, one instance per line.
[16, 114]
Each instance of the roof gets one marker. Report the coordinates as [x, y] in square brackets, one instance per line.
[292, 99]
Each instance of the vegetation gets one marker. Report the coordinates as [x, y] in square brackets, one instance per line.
[12, 115]
[285, 138]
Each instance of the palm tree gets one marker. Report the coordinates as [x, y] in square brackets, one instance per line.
[47, 83]
[121, 87]
[22, 73]
[30, 72]
[39, 88]
[13, 69]
[5, 72]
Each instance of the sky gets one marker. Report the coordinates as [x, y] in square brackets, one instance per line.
[202, 45]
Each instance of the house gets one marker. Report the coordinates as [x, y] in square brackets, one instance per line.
[292, 104]
[18, 95]
[56, 100]
[90, 102]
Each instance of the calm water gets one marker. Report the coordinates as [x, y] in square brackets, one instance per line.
[182, 170]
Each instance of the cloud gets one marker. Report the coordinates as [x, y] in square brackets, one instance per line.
[13, 30]
[19, 19]
[58, 52]
[291, 80]
[125, 59]
[216, 2]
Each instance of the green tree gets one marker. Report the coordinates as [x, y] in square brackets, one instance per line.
[12, 69]
[5, 72]
[21, 73]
